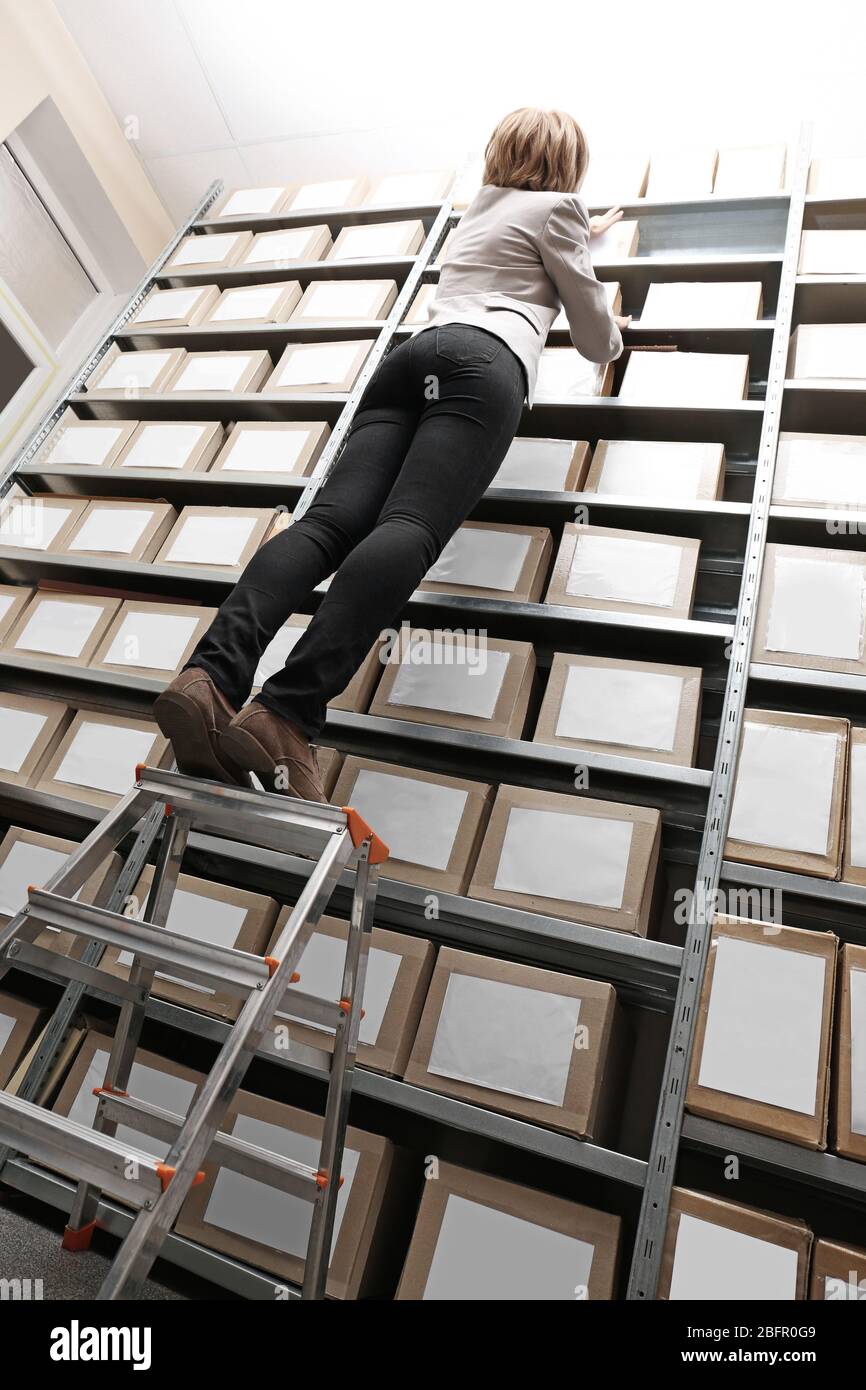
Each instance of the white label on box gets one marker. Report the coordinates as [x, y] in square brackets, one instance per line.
[322, 365]
[490, 1255]
[857, 805]
[817, 608]
[456, 686]
[840, 1289]
[834, 350]
[331, 194]
[833, 253]
[647, 468]
[262, 1213]
[250, 302]
[25, 864]
[31, 525]
[59, 628]
[481, 559]
[198, 918]
[168, 304]
[342, 299]
[276, 450]
[154, 640]
[252, 200]
[375, 239]
[609, 704]
[287, 246]
[104, 757]
[700, 303]
[765, 1024]
[714, 1262]
[623, 571]
[321, 972]
[162, 446]
[418, 820]
[219, 373]
[563, 374]
[505, 1037]
[213, 249]
[821, 471]
[680, 378]
[132, 371]
[7, 1023]
[19, 730]
[80, 444]
[538, 464]
[154, 1087]
[274, 656]
[857, 986]
[114, 529]
[212, 540]
[783, 797]
[551, 854]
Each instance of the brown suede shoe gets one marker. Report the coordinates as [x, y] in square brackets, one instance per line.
[192, 713]
[279, 754]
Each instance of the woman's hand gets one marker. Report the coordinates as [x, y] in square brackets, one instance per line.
[622, 321]
[597, 225]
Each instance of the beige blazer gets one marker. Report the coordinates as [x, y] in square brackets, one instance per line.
[515, 257]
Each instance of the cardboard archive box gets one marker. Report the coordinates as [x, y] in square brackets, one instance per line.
[86, 443]
[183, 307]
[418, 312]
[702, 304]
[618, 243]
[122, 530]
[812, 609]
[152, 639]
[252, 202]
[39, 522]
[287, 247]
[224, 537]
[685, 378]
[330, 763]
[614, 178]
[761, 1058]
[440, 678]
[681, 174]
[493, 560]
[18, 1023]
[330, 301]
[720, 1251]
[479, 1238]
[29, 857]
[854, 851]
[750, 170]
[239, 372]
[832, 253]
[399, 968]
[849, 1062]
[213, 913]
[431, 824]
[331, 193]
[564, 375]
[30, 730]
[838, 1273]
[215, 251]
[789, 792]
[627, 571]
[820, 470]
[838, 176]
[273, 446]
[96, 758]
[545, 465]
[632, 709]
[411, 189]
[127, 375]
[570, 856]
[378, 241]
[256, 304]
[250, 1220]
[652, 468]
[544, 1047]
[65, 627]
[305, 368]
[828, 352]
[355, 698]
[187, 445]
[14, 598]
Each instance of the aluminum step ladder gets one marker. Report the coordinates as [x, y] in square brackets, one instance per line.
[174, 804]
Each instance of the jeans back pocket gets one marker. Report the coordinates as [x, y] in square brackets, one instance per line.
[464, 344]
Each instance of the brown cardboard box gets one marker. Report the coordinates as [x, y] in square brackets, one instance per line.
[418, 312]
[14, 598]
[330, 764]
[250, 1221]
[618, 243]
[838, 176]
[431, 824]
[378, 241]
[256, 304]
[182, 307]
[252, 202]
[66, 628]
[721, 1251]
[213, 913]
[828, 352]
[41, 522]
[854, 851]
[292, 447]
[411, 189]
[30, 730]
[811, 609]
[152, 639]
[849, 1062]
[625, 571]
[331, 193]
[287, 247]
[542, 850]
[536, 1044]
[237, 372]
[685, 378]
[789, 792]
[438, 678]
[398, 975]
[614, 177]
[677, 174]
[760, 1060]
[832, 253]
[702, 304]
[95, 760]
[127, 375]
[651, 468]
[750, 170]
[631, 709]
[479, 1238]
[306, 368]
[355, 698]
[335, 301]
[28, 857]
[221, 537]
[180, 445]
[215, 251]
[564, 375]
[18, 1022]
[545, 465]
[94, 443]
[820, 470]
[121, 530]
[63, 1060]
[838, 1273]
[493, 560]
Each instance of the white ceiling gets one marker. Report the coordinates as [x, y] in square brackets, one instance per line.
[259, 91]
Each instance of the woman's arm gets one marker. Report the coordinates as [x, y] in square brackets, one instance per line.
[564, 248]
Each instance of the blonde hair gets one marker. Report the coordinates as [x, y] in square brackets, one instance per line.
[538, 150]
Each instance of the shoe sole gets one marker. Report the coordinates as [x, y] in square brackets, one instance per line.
[245, 750]
[182, 722]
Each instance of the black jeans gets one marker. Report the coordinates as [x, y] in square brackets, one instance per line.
[431, 431]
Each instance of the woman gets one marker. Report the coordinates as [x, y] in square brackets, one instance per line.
[430, 434]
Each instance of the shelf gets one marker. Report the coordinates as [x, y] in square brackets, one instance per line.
[830, 299]
[837, 1177]
[834, 407]
[314, 217]
[228, 488]
[205, 337]
[834, 214]
[214, 405]
[229, 277]
[816, 904]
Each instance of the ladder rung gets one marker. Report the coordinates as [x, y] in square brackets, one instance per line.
[309, 1008]
[299, 1179]
[24, 954]
[85, 1154]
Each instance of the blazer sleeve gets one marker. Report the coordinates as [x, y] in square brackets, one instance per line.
[564, 249]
